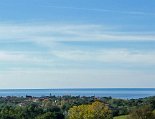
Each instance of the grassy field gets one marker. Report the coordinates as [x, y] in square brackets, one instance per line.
[125, 116]
[121, 117]
[154, 112]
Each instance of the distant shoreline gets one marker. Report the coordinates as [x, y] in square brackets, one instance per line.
[122, 93]
[67, 88]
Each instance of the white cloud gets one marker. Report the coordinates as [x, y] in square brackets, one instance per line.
[50, 36]
[73, 59]
[108, 56]
[76, 79]
[67, 32]
[22, 57]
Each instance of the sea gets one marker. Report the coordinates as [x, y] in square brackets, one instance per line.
[122, 93]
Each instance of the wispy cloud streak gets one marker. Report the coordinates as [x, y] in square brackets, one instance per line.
[53, 36]
[70, 32]
[109, 56]
[104, 10]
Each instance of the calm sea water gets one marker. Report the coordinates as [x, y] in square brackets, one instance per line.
[102, 92]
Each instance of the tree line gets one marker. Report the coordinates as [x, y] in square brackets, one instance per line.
[75, 107]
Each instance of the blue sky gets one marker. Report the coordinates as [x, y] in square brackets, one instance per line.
[77, 44]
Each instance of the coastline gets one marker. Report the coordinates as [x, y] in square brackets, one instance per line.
[122, 93]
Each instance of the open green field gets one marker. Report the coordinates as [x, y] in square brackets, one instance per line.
[154, 112]
[121, 117]
[125, 116]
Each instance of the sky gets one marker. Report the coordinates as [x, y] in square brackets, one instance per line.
[77, 44]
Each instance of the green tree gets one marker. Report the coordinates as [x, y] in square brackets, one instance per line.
[143, 112]
[96, 110]
[48, 115]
